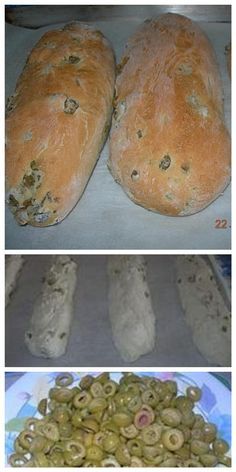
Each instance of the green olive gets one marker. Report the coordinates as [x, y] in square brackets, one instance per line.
[42, 406]
[192, 463]
[61, 414]
[94, 453]
[57, 459]
[173, 439]
[199, 421]
[103, 378]
[184, 452]
[184, 404]
[98, 438]
[72, 458]
[197, 433]
[18, 448]
[135, 447]
[25, 438]
[91, 464]
[109, 389]
[186, 431]
[96, 390]
[129, 432]
[188, 418]
[225, 460]
[18, 460]
[120, 400]
[111, 442]
[51, 431]
[199, 447]
[150, 452]
[171, 386]
[90, 425]
[170, 462]
[40, 460]
[110, 425]
[77, 418]
[131, 390]
[134, 404]
[64, 380]
[194, 393]
[151, 434]
[109, 462]
[65, 430]
[122, 419]
[97, 404]
[136, 462]
[143, 418]
[82, 399]
[208, 460]
[61, 395]
[210, 432]
[122, 455]
[86, 382]
[38, 444]
[171, 416]
[167, 400]
[220, 447]
[150, 397]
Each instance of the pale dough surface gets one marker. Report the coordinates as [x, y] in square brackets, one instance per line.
[50, 324]
[205, 309]
[130, 307]
[13, 266]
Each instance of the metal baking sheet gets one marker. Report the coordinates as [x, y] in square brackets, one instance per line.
[90, 343]
[105, 218]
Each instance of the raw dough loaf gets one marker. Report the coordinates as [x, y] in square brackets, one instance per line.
[57, 122]
[49, 329]
[205, 309]
[130, 307]
[169, 147]
[228, 58]
[13, 266]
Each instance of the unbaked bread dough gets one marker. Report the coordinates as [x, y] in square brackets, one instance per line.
[13, 266]
[205, 309]
[49, 328]
[130, 307]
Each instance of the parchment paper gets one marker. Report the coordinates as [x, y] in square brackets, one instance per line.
[90, 343]
[105, 218]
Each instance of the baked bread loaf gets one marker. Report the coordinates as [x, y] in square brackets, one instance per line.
[50, 324]
[130, 307]
[169, 147]
[57, 122]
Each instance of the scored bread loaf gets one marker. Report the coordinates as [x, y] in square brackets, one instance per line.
[169, 147]
[57, 122]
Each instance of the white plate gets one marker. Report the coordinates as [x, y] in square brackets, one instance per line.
[23, 396]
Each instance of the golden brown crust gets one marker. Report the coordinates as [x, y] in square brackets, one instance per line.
[169, 147]
[57, 122]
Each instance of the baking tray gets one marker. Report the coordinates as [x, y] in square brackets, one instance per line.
[90, 343]
[105, 218]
